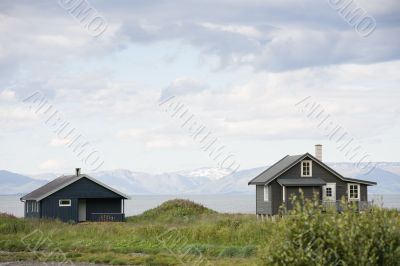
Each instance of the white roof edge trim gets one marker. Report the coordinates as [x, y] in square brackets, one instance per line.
[76, 179]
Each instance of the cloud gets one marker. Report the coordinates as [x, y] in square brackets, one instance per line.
[13, 113]
[51, 165]
[268, 35]
[7, 95]
[58, 142]
[130, 133]
[155, 138]
[183, 86]
[33, 51]
[239, 66]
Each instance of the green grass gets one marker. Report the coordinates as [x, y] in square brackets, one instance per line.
[181, 231]
[173, 211]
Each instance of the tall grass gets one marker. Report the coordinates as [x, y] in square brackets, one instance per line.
[304, 236]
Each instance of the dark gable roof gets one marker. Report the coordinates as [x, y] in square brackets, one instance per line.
[61, 182]
[288, 162]
[276, 169]
[52, 185]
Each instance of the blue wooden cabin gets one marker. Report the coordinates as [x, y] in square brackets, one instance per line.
[75, 198]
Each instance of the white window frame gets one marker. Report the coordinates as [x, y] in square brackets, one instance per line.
[64, 205]
[358, 191]
[301, 170]
[266, 193]
[283, 194]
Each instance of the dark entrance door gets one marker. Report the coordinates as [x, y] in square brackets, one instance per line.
[308, 193]
[82, 210]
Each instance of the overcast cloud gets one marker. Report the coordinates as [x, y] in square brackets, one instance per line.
[239, 66]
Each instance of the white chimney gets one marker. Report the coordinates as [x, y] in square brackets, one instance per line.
[318, 152]
[78, 171]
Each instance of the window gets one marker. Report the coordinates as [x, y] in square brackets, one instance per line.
[266, 193]
[283, 194]
[328, 192]
[64, 203]
[27, 206]
[33, 206]
[306, 168]
[36, 206]
[354, 191]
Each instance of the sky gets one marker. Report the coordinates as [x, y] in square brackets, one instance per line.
[240, 68]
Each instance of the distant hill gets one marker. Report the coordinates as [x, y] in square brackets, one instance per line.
[198, 181]
[387, 175]
[12, 183]
[388, 183]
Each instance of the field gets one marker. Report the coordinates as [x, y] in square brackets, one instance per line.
[182, 232]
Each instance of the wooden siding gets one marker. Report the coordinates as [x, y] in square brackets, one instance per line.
[263, 207]
[85, 188]
[52, 210]
[364, 192]
[276, 197]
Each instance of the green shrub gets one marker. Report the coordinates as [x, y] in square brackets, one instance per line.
[310, 236]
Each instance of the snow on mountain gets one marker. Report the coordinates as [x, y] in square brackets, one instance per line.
[236, 183]
[210, 173]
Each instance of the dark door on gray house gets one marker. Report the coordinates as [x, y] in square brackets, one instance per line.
[296, 191]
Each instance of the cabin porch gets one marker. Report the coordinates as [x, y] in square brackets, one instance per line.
[101, 210]
[338, 205]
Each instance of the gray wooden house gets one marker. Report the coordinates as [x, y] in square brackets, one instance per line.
[292, 174]
[75, 198]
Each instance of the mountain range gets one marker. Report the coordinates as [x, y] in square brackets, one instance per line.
[198, 181]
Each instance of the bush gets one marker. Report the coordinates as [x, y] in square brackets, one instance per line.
[309, 236]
